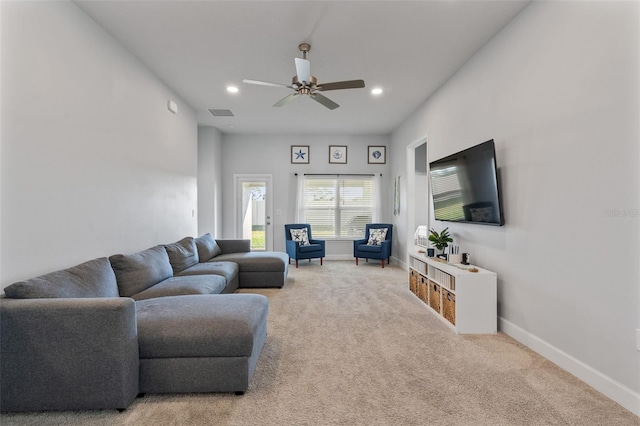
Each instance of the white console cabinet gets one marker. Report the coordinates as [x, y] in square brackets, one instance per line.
[465, 300]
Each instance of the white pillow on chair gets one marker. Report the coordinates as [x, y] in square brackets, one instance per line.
[300, 235]
[377, 236]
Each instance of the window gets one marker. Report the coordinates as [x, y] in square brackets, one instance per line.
[337, 207]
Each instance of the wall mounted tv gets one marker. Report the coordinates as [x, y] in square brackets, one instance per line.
[465, 186]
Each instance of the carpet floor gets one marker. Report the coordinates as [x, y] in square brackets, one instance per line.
[351, 345]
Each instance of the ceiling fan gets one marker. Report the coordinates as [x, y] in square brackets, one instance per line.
[303, 83]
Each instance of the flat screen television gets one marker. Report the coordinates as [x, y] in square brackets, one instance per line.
[465, 186]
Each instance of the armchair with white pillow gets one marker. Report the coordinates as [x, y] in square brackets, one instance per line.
[301, 245]
[376, 244]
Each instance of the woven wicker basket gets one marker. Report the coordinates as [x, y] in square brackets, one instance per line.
[423, 289]
[413, 282]
[434, 296]
[449, 306]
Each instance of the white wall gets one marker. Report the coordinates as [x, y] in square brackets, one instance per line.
[93, 163]
[558, 90]
[270, 154]
[209, 181]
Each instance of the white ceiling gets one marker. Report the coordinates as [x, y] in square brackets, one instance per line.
[408, 48]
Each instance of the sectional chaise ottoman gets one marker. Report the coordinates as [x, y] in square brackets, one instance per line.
[162, 320]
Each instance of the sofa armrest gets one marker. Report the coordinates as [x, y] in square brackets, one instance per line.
[234, 246]
[68, 354]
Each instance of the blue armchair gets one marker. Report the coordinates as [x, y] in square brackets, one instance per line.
[300, 244]
[376, 244]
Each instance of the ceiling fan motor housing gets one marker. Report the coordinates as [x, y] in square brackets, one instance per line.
[299, 86]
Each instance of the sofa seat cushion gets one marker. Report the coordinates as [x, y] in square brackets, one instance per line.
[257, 261]
[228, 270]
[182, 254]
[369, 248]
[139, 271]
[94, 278]
[223, 325]
[184, 285]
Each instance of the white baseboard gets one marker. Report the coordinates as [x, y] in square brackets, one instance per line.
[340, 257]
[399, 263]
[614, 390]
[394, 260]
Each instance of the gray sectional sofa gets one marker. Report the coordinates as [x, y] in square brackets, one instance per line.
[162, 320]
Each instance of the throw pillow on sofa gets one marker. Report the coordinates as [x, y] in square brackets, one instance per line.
[207, 247]
[182, 254]
[94, 278]
[139, 271]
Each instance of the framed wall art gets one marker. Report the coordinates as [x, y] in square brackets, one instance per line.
[377, 154]
[300, 154]
[338, 154]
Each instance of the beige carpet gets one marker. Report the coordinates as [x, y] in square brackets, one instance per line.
[350, 345]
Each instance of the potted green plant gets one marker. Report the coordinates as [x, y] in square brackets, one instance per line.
[440, 240]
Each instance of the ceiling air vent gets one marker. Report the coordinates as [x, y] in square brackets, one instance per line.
[221, 112]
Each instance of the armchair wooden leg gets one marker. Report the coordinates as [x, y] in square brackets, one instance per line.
[356, 261]
[296, 263]
[320, 261]
[383, 263]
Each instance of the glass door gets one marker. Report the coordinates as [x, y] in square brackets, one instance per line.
[253, 211]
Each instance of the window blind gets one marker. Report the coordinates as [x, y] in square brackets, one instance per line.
[337, 207]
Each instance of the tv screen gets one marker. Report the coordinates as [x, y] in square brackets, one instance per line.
[465, 187]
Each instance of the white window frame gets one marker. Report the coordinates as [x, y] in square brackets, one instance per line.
[337, 208]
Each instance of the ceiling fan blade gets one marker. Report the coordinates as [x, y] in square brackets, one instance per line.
[265, 83]
[351, 84]
[285, 100]
[303, 70]
[324, 100]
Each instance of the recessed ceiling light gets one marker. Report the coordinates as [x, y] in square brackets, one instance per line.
[376, 91]
[232, 89]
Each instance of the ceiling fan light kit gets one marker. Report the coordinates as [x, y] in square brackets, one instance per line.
[303, 83]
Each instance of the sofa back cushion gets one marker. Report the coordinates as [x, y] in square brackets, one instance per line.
[139, 271]
[94, 278]
[207, 247]
[182, 254]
